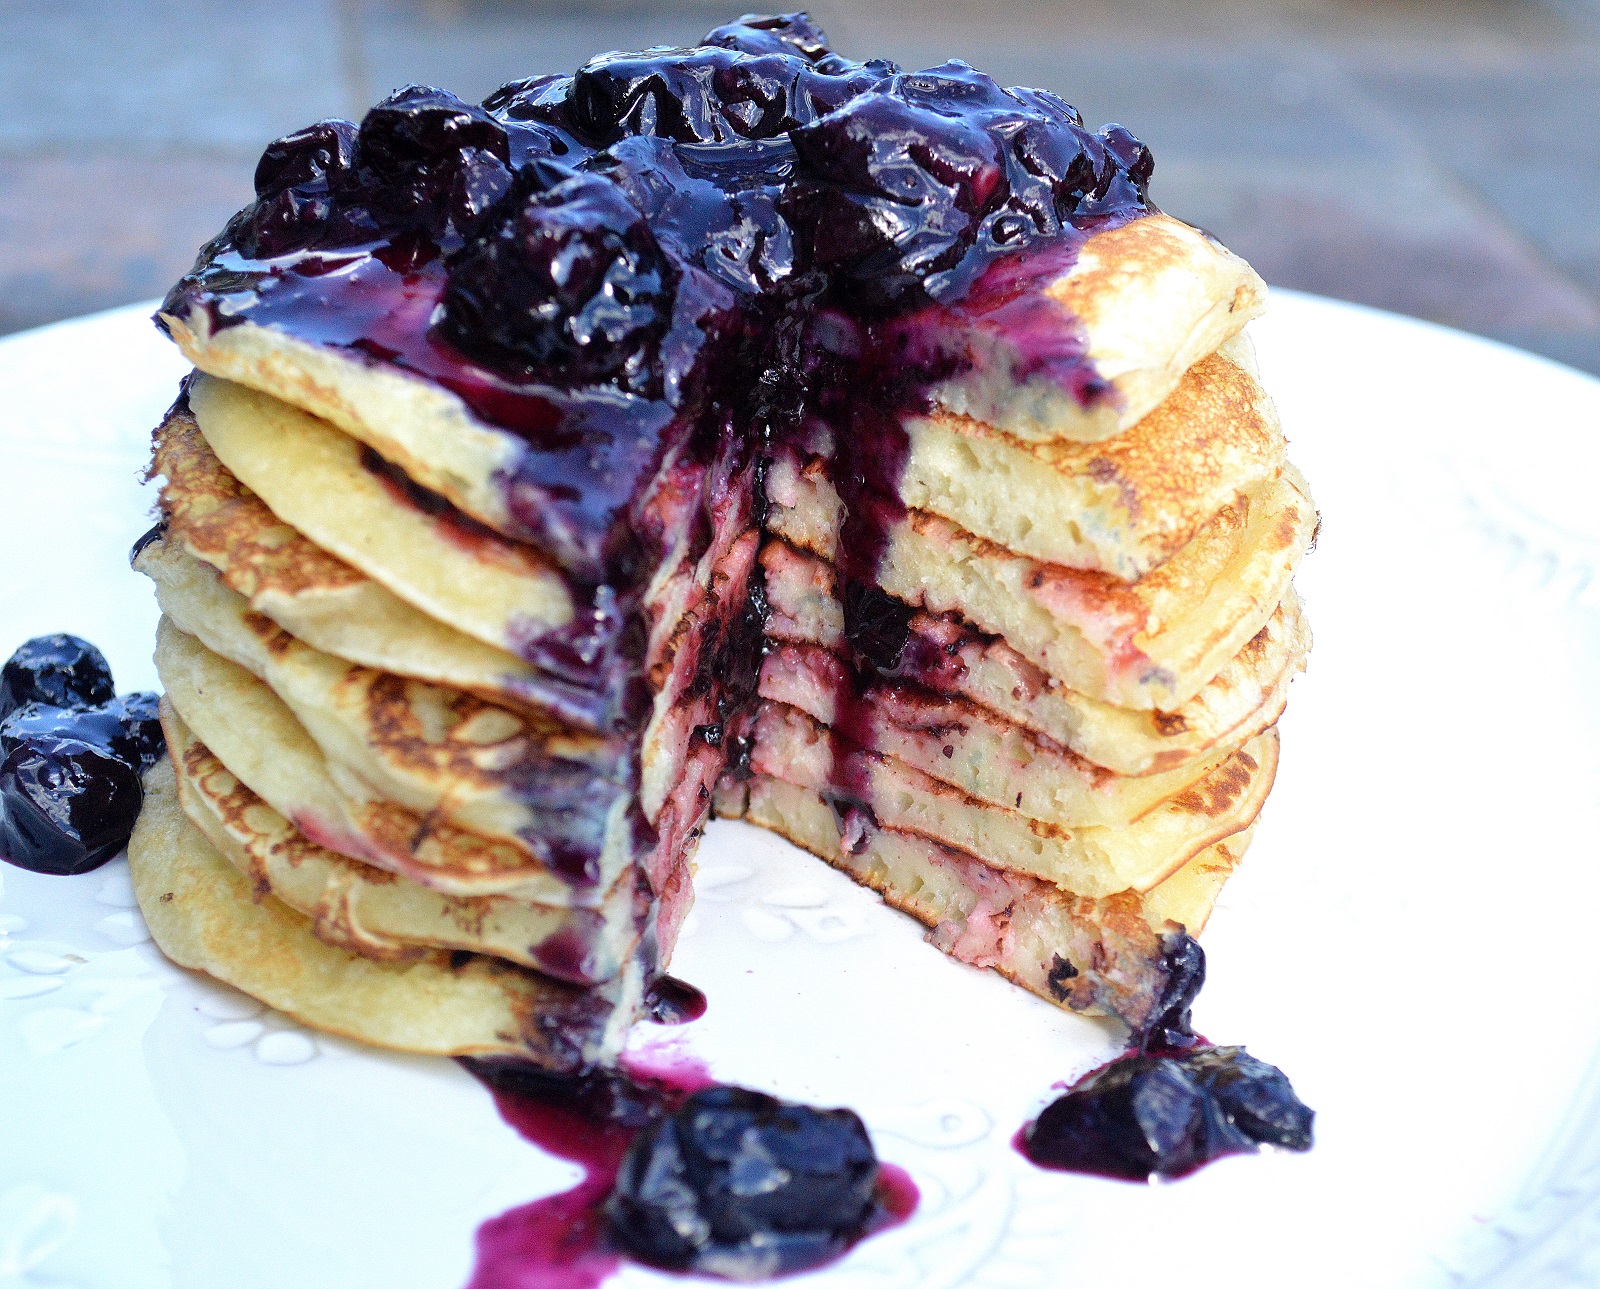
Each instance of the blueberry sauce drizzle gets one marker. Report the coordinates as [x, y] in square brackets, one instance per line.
[571, 1240]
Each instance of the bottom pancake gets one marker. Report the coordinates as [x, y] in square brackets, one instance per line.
[204, 914]
[1105, 956]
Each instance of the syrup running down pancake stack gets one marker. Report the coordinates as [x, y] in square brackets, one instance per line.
[856, 450]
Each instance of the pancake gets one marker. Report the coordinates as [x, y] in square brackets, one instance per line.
[316, 480]
[253, 733]
[1143, 302]
[1092, 861]
[1152, 643]
[373, 913]
[321, 599]
[1240, 701]
[425, 747]
[205, 915]
[1189, 896]
[1120, 506]
[1023, 928]
[967, 746]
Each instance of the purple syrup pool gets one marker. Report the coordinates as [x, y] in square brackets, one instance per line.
[565, 1241]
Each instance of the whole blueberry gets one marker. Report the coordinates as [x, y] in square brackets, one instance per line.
[61, 670]
[1167, 1114]
[309, 155]
[424, 159]
[568, 283]
[419, 126]
[894, 185]
[1258, 1098]
[296, 182]
[876, 625]
[784, 33]
[140, 740]
[65, 806]
[740, 1184]
[669, 95]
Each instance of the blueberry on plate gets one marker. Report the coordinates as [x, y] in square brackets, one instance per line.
[739, 1184]
[140, 741]
[1255, 1096]
[66, 806]
[61, 670]
[1169, 1114]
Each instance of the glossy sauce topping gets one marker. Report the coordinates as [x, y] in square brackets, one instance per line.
[606, 263]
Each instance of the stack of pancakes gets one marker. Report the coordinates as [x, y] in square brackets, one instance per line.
[424, 793]
[1046, 725]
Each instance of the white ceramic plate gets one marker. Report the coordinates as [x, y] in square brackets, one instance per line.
[1410, 937]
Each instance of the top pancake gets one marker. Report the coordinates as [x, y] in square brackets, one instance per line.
[1145, 301]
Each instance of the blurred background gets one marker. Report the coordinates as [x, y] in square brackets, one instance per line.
[1439, 158]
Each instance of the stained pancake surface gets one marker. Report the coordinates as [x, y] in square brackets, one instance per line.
[309, 592]
[1120, 506]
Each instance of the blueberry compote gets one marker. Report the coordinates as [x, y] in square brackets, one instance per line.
[631, 265]
[683, 1173]
[71, 753]
[1173, 1103]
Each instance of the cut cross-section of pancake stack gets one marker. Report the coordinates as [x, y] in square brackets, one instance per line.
[1041, 719]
